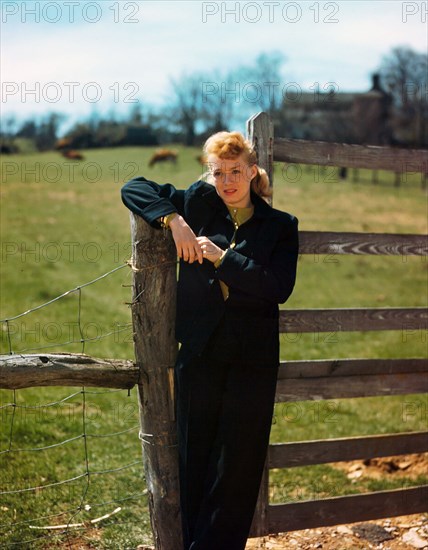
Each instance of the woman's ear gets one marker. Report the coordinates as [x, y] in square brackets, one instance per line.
[254, 171]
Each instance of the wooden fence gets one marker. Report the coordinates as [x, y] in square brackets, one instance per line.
[153, 264]
[344, 378]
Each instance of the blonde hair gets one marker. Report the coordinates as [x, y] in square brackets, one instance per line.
[230, 145]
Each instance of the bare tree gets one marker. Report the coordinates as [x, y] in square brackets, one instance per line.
[404, 74]
[261, 84]
[186, 107]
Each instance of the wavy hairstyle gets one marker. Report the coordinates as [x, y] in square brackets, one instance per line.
[231, 145]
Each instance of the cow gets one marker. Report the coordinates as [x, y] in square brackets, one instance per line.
[72, 154]
[163, 155]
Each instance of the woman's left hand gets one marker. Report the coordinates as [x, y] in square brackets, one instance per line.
[210, 251]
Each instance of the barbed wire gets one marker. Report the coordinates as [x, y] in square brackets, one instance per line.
[42, 448]
[51, 404]
[81, 341]
[77, 288]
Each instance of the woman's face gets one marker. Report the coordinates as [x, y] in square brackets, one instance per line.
[232, 178]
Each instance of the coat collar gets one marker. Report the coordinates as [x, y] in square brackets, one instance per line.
[261, 207]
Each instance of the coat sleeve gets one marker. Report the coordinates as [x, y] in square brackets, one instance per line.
[150, 200]
[273, 282]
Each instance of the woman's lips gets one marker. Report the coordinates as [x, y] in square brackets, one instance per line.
[229, 191]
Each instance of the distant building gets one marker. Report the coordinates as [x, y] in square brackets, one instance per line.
[371, 116]
[350, 117]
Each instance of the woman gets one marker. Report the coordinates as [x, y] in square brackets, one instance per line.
[238, 261]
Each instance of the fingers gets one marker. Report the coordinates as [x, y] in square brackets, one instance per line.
[190, 252]
[210, 251]
[188, 247]
[199, 254]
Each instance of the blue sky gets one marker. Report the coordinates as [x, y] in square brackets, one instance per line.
[112, 52]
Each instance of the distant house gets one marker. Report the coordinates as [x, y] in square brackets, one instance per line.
[350, 117]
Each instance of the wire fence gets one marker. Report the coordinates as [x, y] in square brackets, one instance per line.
[71, 463]
[82, 340]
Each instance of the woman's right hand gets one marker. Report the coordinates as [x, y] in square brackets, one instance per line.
[185, 240]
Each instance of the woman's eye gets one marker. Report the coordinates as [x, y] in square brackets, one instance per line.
[217, 173]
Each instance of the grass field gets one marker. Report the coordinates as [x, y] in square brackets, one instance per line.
[63, 224]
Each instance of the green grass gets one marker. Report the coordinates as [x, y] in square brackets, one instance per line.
[65, 225]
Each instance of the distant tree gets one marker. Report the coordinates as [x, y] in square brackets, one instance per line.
[28, 129]
[8, 126]
[217, 107]
[261, 83]
[47, 132]
[404, 74]
[94, 120]
[185, 108]
[136, 115]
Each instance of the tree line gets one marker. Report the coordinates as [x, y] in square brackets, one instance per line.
[200, 103]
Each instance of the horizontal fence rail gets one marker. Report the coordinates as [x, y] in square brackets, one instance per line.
[345, 378]
[318, 368]
[330, 242]
[350, 155]
[347, 509]
[353, 319]
[305, 453]
[65, 369]
[297, 380]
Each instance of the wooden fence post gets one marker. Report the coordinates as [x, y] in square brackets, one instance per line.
[154, 263]
[260, 133]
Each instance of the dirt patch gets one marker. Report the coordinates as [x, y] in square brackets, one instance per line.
[408, 466]
[401, 533]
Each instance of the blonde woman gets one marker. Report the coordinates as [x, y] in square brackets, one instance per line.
[238, 259]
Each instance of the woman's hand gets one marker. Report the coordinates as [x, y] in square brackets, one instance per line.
[185, 240]
[210, 250]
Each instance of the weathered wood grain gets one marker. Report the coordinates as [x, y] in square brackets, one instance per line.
[153, 317]
[65, 369]
[350, 367]
[347, 509]
[299, 151]
[305, 453]
[344, 387]
[386, 244]
[260, 134]
[406, 319]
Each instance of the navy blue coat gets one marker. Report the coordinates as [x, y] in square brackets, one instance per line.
[260, 270]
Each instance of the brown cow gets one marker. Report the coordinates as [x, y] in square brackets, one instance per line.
[72, 154]
[163, 155]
